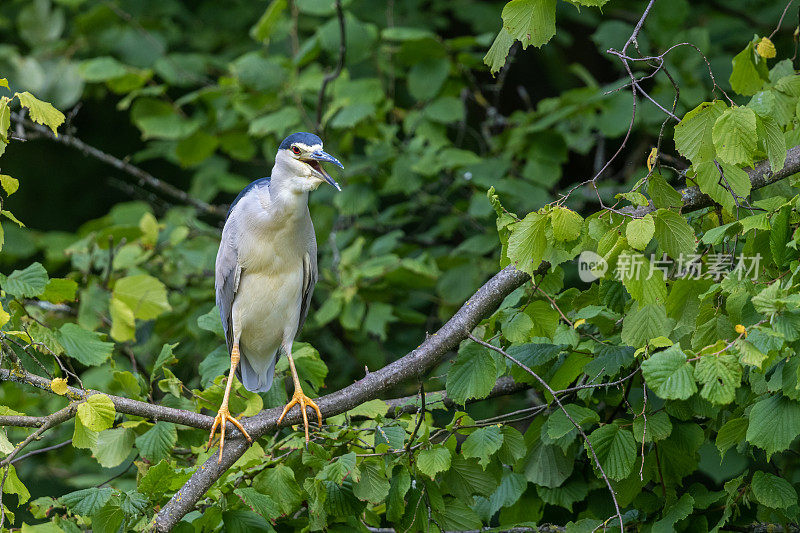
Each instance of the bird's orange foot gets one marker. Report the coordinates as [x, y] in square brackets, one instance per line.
[299, 397]
[223, 417]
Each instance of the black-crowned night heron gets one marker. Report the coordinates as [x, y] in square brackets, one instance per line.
[266, 271]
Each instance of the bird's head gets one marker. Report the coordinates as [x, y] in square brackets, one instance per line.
[299, 157]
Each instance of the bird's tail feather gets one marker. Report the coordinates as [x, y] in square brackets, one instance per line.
[258, 377]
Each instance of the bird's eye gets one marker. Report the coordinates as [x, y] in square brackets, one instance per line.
[295, 150]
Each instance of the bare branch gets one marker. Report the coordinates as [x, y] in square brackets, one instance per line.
[122, 405]
[335, 74]
[59, 417]
[132, 170]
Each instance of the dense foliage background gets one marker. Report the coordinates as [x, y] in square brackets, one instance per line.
[109, 267]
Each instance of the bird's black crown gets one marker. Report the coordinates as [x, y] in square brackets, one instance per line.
[309, 139]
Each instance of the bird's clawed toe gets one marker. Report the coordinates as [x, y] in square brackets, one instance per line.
[304, 401]
[223, 417]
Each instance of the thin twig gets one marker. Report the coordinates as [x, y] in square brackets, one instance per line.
[339, 65]
[41, 450]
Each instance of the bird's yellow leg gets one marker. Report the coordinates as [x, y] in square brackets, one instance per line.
[299, 397]
[224, 415]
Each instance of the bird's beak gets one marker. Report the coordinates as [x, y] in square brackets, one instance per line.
[319, 155]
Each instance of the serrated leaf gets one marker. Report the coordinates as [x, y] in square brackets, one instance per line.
[84, 346]
[83, 437]
[647, 322]
[97, 412]
[639, 231]
[279, 483]
[720, 375]
[41, 112]
[773, 491]
[158, 479]
[433, 461]
[693, 135]
[87, 502]
[669, 374]
[746, 77]
[659, 427]
[779, 235]
[566, 224]
[495, 58]
[157, 442]
[615, 449]
[113, 446]
[528, 242]
[674, 234]
[482, 444]
[774, 423]
[26, 283]
[373, 485]
[547, 465]
[9, 184]
[530, 21]
[734, 136]
[771, 134]
[259, 503]
[731, 434]
[472, 375]
[675, 513]
[558, 424]
[144, 295]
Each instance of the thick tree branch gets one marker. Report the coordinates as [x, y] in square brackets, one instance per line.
[120, 164]
[122, 405]
[414, 365]
[760, 176]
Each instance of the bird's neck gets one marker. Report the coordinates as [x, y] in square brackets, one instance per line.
[284, 199]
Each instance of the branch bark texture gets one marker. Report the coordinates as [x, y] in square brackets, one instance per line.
[760, 176]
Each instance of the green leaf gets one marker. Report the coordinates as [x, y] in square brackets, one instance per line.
[373, 485]
[144, 295]
[674, 234]
[433, 460]
[97, 412]
[26, 283]
[259, 503]
[103, 68]
[639, 231]
[642, 281]
[211, 322]
[425, 78]
[734, 135]
[340, 468]
[558, 424]
[731, 434]
[773, 491]
[113, 446]
[13, 485]
[647, 322]
[675, 513]
[83, 437]
[746, 78]
[59, 290]
[165, 357]
[279, 483]
[466, 478]
[41, 112]
[528, 242]
[658, 425]
[87, 502]
[720, 375]
[669, 374]
[615, 449]
[771, 134]
[262, 29]
[530, 21]
[774, 423]
[662, 193]
[158, 441]
[547, 465]
[109, 518]
[482, 444]
[495, 58]
[693, 135]
[370, 409]
[513, 448]
[566, 224]
[779, 235]
[472, 375]
[9, 184]
[159, 479]
[84, 346]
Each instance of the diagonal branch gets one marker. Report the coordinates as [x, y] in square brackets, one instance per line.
[760, 176]
[141, 176]
[413, 365]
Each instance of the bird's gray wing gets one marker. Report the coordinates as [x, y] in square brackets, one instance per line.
[228, 272]
[309, 278]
